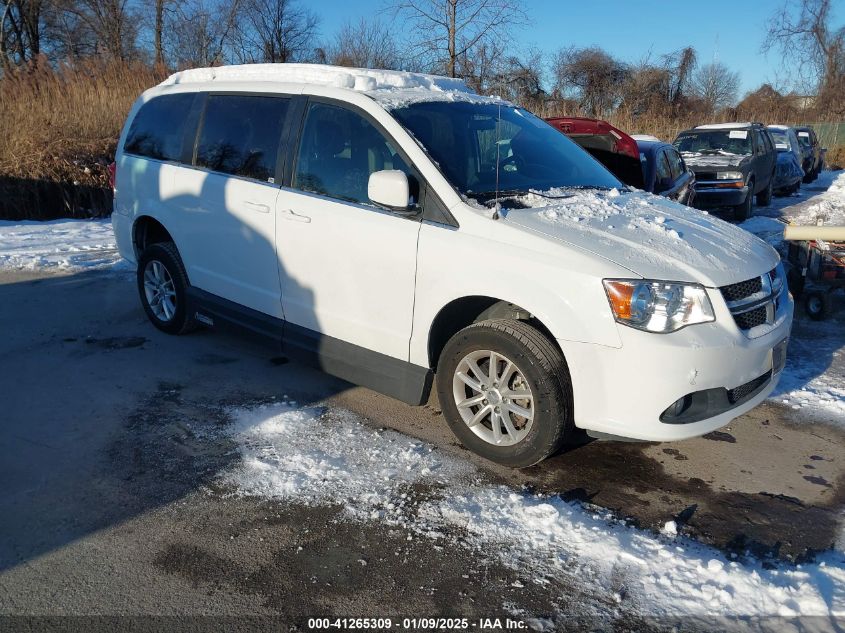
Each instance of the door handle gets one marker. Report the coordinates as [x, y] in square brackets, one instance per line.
[257, 206]
[293, 216]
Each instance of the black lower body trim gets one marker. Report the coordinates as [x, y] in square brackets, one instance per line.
[391, 376]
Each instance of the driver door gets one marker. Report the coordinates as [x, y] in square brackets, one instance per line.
[347, 267]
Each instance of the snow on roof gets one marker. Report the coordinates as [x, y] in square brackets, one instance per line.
[778, 127]
[722, 126]
[390, 87]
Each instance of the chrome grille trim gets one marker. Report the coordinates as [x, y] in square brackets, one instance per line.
[744, 297]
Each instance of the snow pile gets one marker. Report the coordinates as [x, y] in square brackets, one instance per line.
[322, 456]
[827, 207]
[65, 245]
[315, 455]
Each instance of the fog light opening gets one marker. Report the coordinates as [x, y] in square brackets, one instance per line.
[680, 406]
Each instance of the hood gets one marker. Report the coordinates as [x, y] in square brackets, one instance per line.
[649, 235]
[713, 161]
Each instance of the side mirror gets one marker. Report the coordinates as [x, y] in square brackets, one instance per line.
[389, 188]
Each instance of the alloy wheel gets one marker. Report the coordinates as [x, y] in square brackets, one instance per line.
[493, 397]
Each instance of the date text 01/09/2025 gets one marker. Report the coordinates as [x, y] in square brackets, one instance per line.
[416, 624]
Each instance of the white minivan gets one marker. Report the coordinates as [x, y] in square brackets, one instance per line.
[400, 231]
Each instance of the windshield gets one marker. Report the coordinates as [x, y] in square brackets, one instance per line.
[781, 139]
[467, 140]
[804, 138]
[725, 142]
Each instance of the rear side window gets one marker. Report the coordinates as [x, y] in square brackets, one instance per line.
[159, 127]
[663, 171]
[240, 135]
[675, 163]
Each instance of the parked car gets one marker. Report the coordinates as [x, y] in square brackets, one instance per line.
[732, 162]
[609, 145]
[368, 222]
[665, 172]
[814, 154]
[789, 172]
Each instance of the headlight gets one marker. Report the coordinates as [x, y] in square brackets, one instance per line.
[729, 175]
[657, 306]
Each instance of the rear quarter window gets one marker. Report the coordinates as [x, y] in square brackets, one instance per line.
[158, 128]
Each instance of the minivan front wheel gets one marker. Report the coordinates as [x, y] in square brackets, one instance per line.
[163, 288]
[505, 392]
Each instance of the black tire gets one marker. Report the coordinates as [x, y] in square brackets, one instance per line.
[764, 198]
[809, 177]
[165, 254]
[816, 305]
[544, 370]
[743, 211]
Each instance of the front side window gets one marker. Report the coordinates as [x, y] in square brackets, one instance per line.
[481, 145]
[339, 150]
[715, 142]
[158, 128]
[240, 135]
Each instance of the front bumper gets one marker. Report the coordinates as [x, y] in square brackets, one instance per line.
[711, 197]
[624, 391]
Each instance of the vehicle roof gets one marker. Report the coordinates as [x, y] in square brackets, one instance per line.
[644, 137]
[392, 88]
[650, 145]
[778, 127]
[725, 126]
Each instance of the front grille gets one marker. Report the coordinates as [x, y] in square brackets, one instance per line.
[705, 175]
[743, 391]
[755, 301]
[743, 289]
[752, 318]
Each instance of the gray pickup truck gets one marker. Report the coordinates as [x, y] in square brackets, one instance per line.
[732, 162]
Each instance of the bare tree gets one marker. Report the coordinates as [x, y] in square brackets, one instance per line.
[590, 75]
[276, 31]
[716, 85]
[808, 41]
[364, 44]
[112, 23]
[680, 65]
[20, 32]
[449, 30]
[201, 31]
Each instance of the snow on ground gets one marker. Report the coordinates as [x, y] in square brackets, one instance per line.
[315, 455]
[65, 245]
[814, 377]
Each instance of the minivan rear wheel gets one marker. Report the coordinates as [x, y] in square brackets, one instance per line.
[163, 288]
[505, 392]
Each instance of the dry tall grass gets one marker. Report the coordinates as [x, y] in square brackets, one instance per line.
[62, 124]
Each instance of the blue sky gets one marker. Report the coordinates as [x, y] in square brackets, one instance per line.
[732, 30]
